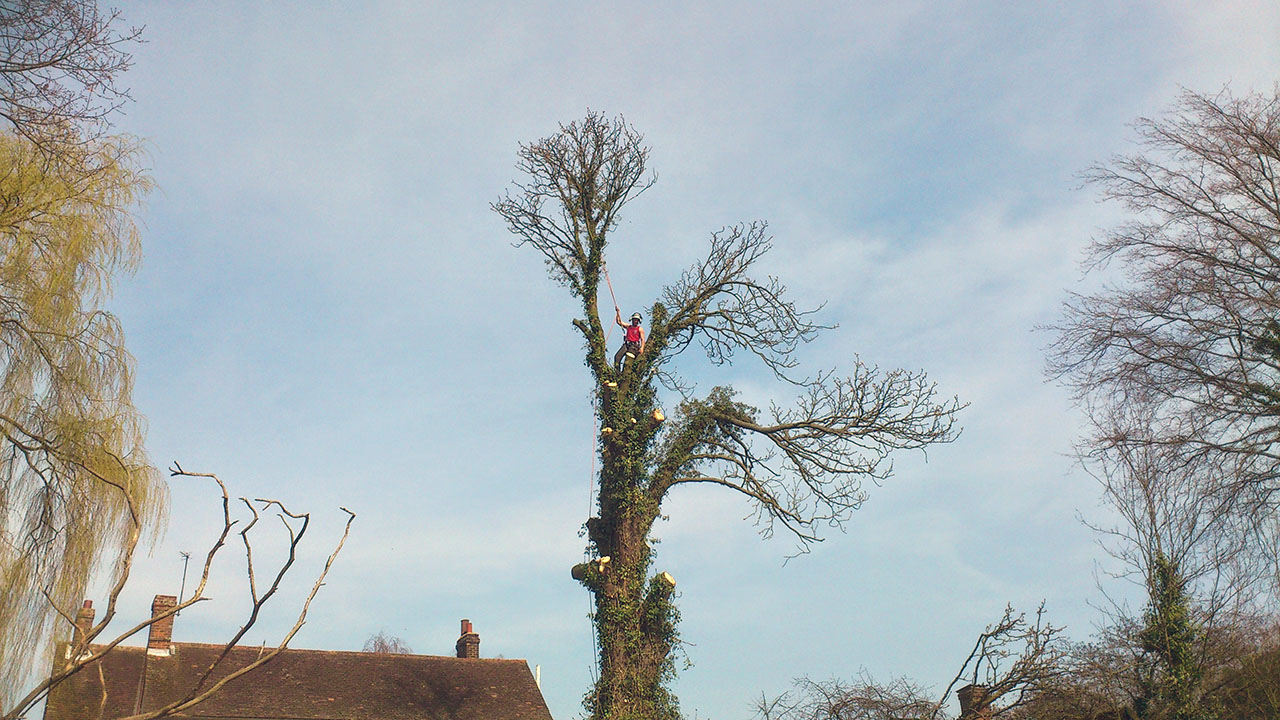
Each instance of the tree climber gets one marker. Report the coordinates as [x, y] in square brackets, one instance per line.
[632, 341]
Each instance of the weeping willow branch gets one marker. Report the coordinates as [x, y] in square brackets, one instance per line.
[76, 485]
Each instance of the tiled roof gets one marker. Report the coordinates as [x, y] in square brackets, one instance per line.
[305, 685]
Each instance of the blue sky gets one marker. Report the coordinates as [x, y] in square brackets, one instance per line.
[330, 314]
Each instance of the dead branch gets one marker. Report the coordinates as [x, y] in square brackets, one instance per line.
[84, 654]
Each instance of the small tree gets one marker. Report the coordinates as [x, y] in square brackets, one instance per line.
[386, 644]
[802, 467]
[1014, 660]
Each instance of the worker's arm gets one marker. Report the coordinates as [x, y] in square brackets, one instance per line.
[617, 317]
[642, 340]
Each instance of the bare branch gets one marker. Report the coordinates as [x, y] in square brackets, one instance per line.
[1191, 337]
[215, 676]
[805, 467]
[60, 66]
[718, 304]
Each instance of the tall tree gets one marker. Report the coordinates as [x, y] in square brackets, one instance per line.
[802, 466]
[1176, 360]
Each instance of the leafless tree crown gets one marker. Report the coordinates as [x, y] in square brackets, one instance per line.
[60, 68]
[1185, 352]
[386, 644]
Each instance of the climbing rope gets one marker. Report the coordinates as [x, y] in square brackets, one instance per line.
[591, 491]
[616, 309]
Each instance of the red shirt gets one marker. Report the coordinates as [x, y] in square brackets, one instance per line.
[633, 334]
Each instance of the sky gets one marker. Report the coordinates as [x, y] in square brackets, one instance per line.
[329, 313]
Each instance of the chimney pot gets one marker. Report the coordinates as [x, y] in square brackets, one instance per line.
[84, 623]
[469, 643]
[160, 637]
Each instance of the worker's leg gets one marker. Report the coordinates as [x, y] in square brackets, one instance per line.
[617, 358]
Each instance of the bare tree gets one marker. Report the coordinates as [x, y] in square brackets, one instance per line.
[860, 699]
[1013, 660]
[60, 67]
[87, 650]
[1177, 362]
[802, 467]
[1183, 543]
[386, 644]
[1183, 350]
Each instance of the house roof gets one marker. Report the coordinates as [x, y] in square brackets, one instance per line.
[303, 685]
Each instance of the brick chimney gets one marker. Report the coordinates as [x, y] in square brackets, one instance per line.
[469, 643]
[974, 703]
[160, 637]
[84, 623]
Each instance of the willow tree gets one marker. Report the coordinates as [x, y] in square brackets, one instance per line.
[801, 466]
[76, 488]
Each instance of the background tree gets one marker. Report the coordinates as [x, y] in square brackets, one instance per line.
[1176, 362]
[1181, 349]
[387, 644]
[801, 466]
[1013, 660]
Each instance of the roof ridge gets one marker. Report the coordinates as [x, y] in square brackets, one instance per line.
[361, 653]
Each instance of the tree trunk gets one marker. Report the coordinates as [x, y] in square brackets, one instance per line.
[634, 618]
